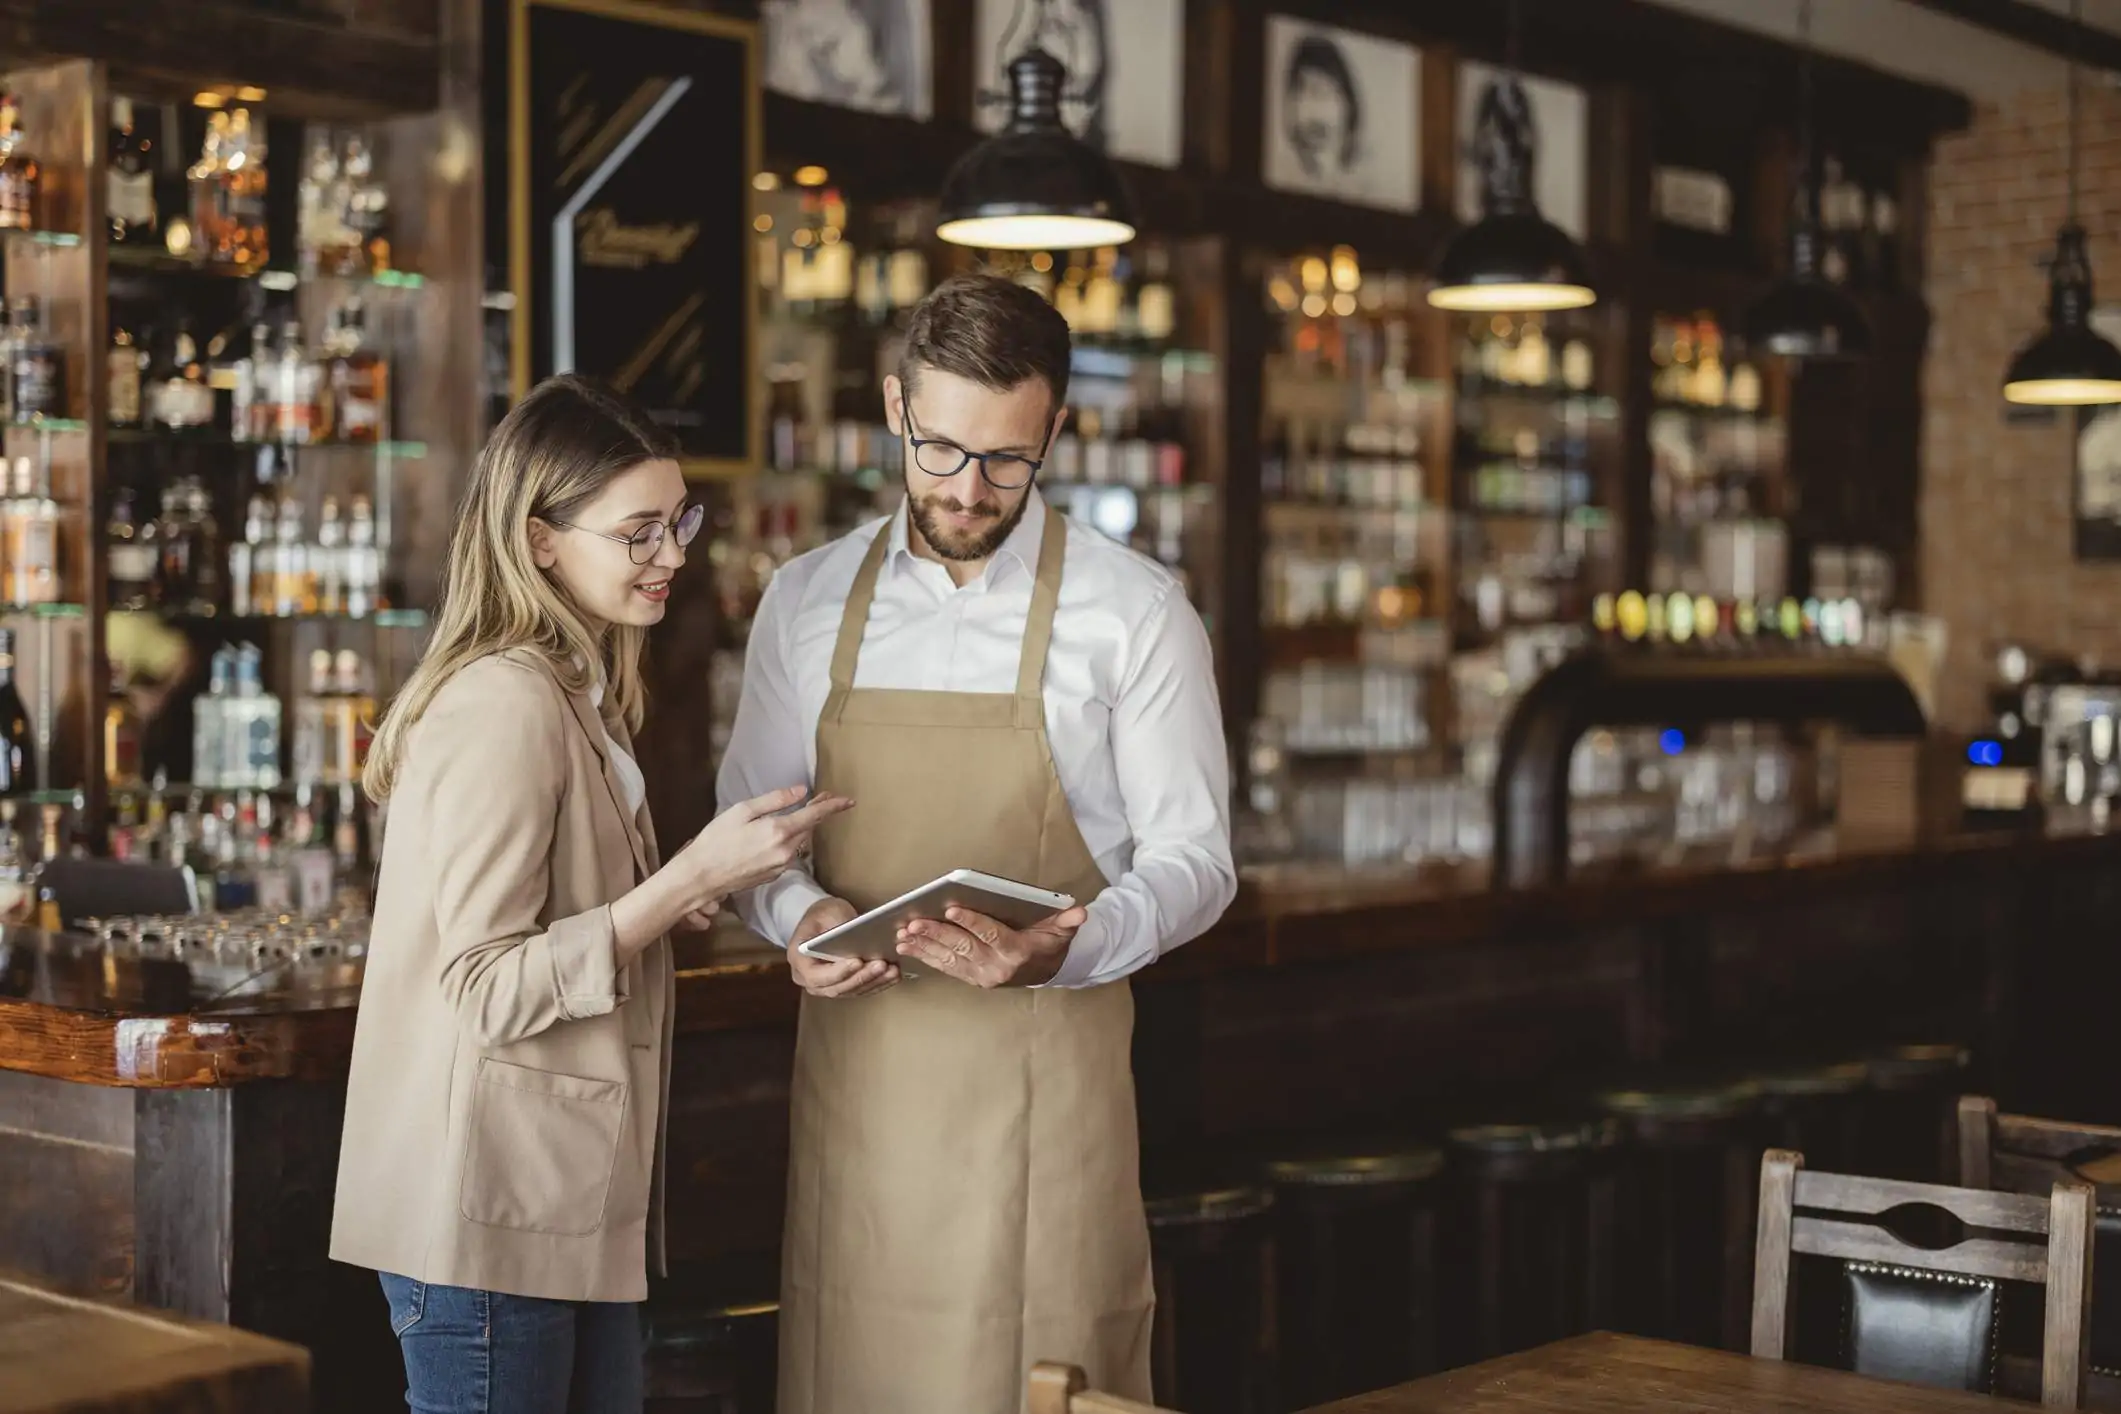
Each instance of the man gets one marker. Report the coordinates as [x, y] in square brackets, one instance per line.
[996, 688]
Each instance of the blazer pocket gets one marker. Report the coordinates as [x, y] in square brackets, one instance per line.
[540, 1149]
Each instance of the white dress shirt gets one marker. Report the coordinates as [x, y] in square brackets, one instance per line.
[633, 785]
[1131, 713]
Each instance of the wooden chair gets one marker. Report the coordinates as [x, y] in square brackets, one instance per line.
[1834, 1215]
[2021, 1154]
[1058, 1389]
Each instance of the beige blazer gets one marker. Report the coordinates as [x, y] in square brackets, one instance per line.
[505, 1111]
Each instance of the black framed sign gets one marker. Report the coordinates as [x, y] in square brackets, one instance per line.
[633, 137]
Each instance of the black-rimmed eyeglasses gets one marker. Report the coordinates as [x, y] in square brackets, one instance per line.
[643, 544]
[1004, 471]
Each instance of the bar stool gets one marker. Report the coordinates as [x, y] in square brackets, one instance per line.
[1530, 1236]
[1356, 1244]
[1911, 1120]
[1686, 1210]
[704, 1356]
[1813, 1109]
[1213, 1343]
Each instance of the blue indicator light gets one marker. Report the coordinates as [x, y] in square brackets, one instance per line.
[1985, 753]
[1671, 741]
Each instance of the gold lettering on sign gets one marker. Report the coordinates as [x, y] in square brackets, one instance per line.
[606, 241]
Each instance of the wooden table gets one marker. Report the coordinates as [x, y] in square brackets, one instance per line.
[88, 1358]
[1595, 1373]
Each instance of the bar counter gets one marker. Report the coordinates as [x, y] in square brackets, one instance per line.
[70, 1012]
[179, 1148]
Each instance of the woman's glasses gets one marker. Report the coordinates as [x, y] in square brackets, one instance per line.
[643, 544]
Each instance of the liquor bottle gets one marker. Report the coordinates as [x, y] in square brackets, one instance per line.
[328, 559]
[313, 764]
[257, 713]
[252, 568]
[50, 846]
[183, 399]
[134, 553]
[20, 172]
[209, 739]
[130, 180]
[36, 365]
[123, 367]
[30, 522]
[360, 380]
[250, 415]
[244, 179]
[206, 548]
[314, 215]
[352, 715]
[350, 843]
[294, 389]
[1156, 310]
[364, 562]
[18, 747]
[17, 901]
[294, 588]
[121, 735]
[211, 236]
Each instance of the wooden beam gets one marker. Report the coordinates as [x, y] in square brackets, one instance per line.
[2038, 26]
[338, 68]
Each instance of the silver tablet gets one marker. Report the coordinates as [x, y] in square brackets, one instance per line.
[875, 933]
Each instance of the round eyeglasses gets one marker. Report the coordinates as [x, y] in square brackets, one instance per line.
[1004, 471]
[643, 544]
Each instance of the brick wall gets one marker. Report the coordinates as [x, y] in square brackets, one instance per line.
[1997, 564]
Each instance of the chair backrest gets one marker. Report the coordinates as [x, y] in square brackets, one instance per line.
[2018, 1237]
[1059, 1389]
[2020, 1154]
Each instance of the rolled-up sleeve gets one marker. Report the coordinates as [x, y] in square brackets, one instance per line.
[1174, 775]
[490, 757]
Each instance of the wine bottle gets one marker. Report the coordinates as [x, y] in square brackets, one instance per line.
[18, 751]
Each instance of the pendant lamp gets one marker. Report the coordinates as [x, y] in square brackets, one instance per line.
[2070, 365]
[1512, 260]
[1806, 315]
[1034, 185]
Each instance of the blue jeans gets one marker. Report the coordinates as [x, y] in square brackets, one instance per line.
[484, 1352]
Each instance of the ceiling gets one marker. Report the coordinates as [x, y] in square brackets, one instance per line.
[1913, 40]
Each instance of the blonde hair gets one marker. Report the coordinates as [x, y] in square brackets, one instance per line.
[554, 451]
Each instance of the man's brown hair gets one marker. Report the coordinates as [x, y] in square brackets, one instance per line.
[992, 331]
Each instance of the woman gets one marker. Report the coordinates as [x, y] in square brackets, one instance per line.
[501, 1161]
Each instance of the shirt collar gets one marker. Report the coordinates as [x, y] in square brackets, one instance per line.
[1022, 546]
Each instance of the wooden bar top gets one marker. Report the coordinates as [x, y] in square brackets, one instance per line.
[59, 1353]
[71, 1010]
[1594, 1374]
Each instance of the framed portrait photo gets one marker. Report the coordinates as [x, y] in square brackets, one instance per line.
[1553, 124]
[2095, 492]
[867, 54]
[1343, 115]
[1126, 74]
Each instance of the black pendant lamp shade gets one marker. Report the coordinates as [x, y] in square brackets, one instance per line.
[1806, 315]
[1035, 185]
[1512, 260]
[2070, 365]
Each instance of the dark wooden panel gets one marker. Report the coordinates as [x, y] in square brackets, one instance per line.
[60, 1109]
[728, 1142]
[66, 1212]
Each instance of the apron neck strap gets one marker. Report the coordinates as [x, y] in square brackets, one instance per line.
[847, 651]
[1045, 598]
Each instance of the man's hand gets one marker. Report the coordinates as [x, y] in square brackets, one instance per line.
[701, 919]
[834, 976]
[975, 949]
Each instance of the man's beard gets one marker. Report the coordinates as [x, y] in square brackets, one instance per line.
[962, 546]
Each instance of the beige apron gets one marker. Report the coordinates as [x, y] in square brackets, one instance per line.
[964, 1195]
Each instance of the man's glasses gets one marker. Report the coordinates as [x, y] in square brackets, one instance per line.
[643, 544]
[1004, 471]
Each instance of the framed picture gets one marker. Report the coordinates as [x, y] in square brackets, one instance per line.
[2095, 499]
[1553, 124]
[866, 54]
[1343, 115]
[1126, 77]
[630, 232]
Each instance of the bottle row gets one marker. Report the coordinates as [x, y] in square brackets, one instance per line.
[304, 853]
[261, 389]
[1634, 617]
[279, 569]
[237, 725]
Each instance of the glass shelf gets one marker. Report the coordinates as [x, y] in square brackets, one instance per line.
[48, 424]
[52, 240]
[46, 797]
[382, 618]
[43, 611]
[161, 262]
[167, 437]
